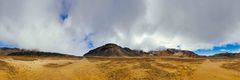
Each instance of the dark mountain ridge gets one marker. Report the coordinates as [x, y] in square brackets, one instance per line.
[5, 51]
[227, 55]
[24, 52]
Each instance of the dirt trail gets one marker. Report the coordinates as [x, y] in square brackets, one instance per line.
[212, 71]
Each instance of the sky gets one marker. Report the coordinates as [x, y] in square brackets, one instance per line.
[77, 26]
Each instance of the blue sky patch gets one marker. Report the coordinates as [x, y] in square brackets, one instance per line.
[65, 8]
[6, 44]
[88, 40]
[235, 47]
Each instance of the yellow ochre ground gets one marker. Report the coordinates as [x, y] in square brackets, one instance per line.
[32, 68]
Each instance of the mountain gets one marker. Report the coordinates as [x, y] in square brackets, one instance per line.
[227, 55]
[24, 52]
[113, 50]
[173, 53]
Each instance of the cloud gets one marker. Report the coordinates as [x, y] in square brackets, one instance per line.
[75, 26]
[198, 24]
[35, 25]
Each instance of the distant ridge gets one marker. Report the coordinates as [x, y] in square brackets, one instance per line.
[24, 52]
[227, 55]
[6, 51]
[173, 53]
[38, 53]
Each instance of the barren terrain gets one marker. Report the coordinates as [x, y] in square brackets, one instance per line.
[31, 68]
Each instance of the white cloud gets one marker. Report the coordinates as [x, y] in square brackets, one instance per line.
[138, 24]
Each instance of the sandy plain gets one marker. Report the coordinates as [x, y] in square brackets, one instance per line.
[33, 68]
